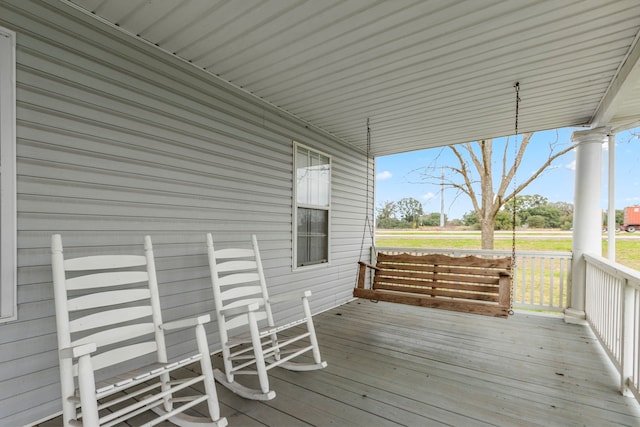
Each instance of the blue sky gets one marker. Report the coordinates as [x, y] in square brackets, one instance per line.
[400, 175]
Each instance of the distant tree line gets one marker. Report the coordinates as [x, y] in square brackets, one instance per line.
[532, 211]
[405, 213]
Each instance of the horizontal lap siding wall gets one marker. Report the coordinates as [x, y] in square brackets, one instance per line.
[117, 140]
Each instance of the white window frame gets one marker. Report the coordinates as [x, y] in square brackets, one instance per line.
[8, 229]
[296, 206]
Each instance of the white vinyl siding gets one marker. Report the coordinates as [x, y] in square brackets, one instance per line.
[117, 139]
[312, 188]
[8, 309]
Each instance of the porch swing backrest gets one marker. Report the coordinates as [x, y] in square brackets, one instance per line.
[468, 284]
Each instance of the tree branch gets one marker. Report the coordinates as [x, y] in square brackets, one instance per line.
[504, 183]
[504, 157]
[474, 158]
[464, 172]
[537, 173]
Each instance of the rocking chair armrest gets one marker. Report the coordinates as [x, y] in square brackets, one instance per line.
[371, 266]
[78, 350]
[240, 309]
[504, 273]
[186, 323]
[290, 296]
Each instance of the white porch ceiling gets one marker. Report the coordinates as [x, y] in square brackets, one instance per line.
[426, 72]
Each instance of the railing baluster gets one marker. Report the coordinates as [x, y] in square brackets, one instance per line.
[552, 276]
[521, 281]
[541, 283]
[612, 305]
[562, 303]
[635, 343]
[532, 287]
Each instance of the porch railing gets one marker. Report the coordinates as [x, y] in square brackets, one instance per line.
[541, 280]
[612, 306]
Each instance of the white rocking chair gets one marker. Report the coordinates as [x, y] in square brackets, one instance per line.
[243, 305]
[108, 314]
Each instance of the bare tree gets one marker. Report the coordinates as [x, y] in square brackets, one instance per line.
[387, 210]
[473, 177]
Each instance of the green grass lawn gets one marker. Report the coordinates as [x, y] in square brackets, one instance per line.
[627, 251]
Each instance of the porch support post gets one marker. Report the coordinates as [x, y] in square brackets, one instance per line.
[587, 214]
[611, 209]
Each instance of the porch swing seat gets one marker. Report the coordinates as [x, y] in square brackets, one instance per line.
[252, 342]
[467, 284]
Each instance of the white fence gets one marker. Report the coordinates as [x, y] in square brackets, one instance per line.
[541, 280]
[612, 306]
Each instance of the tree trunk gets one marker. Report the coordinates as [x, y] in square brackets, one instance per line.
[486, 206]
[487, 227]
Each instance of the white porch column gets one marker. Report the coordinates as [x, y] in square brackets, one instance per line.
[587, 214]
[611, 209]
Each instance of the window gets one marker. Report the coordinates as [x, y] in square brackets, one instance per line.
[8, 309]
[312, 206]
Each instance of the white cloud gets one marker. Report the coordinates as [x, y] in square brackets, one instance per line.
[571, 165]
[383, 175]
[429, 196]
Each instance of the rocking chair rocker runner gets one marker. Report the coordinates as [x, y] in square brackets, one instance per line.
[249, 335]
[108, 315]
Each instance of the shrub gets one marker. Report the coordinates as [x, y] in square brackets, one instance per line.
[537, 221]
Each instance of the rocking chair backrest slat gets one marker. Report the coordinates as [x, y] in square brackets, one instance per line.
[112, 336]
[108, 318]
[240, 321]
[234, 253]
[236, 278]
[236, 265]
[103, 262]
[105, 299]
[244, 302]
[241, 292]
[119, 355]
[98, 280]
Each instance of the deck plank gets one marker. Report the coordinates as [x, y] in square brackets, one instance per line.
[538, 369]
[391, 364]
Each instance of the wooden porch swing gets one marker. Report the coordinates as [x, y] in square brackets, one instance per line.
[466, 284]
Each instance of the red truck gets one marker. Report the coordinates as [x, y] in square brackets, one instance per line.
[631, 220]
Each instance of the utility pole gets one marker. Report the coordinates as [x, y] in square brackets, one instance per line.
[442, 200]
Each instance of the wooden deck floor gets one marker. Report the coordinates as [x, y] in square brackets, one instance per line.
[391, 364]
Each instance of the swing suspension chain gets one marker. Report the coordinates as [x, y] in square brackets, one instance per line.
[367, 222]
[368, 160]
[515, 189]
